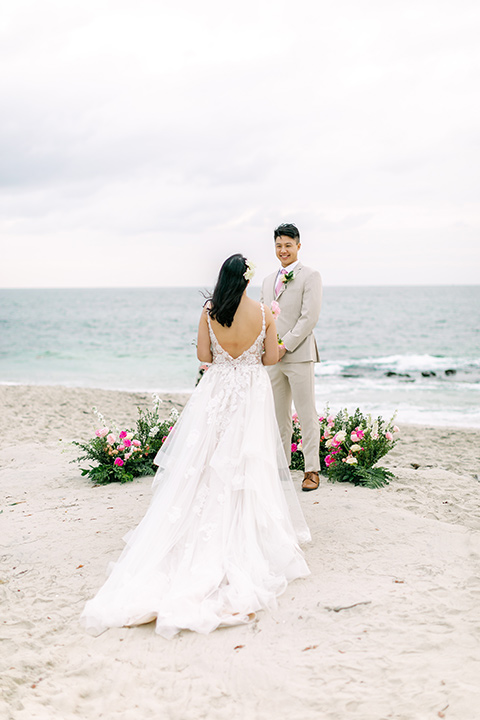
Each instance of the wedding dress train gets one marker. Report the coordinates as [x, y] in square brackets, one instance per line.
[221, 537]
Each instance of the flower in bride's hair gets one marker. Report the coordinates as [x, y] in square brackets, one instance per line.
[275, 308]
[250, 271]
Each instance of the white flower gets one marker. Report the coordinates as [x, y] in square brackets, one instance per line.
[156, 399]
[130, 435]
[340, 436]
[174, 414]
[153, 431]
[329, 443]
[350, 460]
[250, 271]
[355, 448]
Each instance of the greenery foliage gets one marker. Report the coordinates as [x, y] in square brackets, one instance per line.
[121, 455]
[350, 447]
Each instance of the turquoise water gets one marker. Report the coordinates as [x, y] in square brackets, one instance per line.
[375, 344]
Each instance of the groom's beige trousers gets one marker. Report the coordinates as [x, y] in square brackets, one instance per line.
[297, 381]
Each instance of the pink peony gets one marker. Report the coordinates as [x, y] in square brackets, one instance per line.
[111, 439]
[389, 435]
[120, 448]
[127, 442]
[294, 447]
[136, 443]
[101, 433]
[354, 437]
[329, 460]
[118, 461]
[360, 434]
[128, 455]
[122, 435]
[321, 419]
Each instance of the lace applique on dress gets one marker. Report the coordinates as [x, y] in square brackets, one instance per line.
[235, 376]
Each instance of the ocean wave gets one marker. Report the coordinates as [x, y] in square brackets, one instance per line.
[406, 366]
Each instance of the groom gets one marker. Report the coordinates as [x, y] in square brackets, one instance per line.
[298, 291]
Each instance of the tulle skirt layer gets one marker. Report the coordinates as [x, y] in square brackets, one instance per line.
[221, 537]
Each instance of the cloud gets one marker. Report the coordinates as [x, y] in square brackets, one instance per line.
[181, 129]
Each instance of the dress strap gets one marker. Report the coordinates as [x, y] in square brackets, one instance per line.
[263, 317]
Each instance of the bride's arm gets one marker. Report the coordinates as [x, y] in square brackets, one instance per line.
[204, 352]
[270, 356]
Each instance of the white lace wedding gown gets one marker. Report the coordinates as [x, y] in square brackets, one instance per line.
[220, 538]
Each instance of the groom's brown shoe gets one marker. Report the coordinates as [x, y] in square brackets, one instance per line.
[311, 481]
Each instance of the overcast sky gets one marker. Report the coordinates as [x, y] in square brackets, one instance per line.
[142, 142]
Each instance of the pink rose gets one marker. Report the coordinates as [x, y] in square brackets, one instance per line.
[396, 429]
[294, 417]
[329, 460]
[101, 433]
[330, 420]
[321, 419]
[354, 437]
[127, 442]
[326, 434]
[120, 448]
[118, 461]
[122, 435]
[275, 308]
[389, 435]
[127, 456]
[360, 434]
[294, 447]
[136, 443]
[111, 439]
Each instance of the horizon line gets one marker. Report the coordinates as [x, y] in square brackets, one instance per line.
[198, 287]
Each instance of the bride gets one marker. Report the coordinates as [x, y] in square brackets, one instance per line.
[220, 539]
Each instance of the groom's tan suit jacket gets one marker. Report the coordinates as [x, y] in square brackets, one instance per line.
[300, 301]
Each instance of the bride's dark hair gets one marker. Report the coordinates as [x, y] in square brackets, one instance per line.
[229, 289]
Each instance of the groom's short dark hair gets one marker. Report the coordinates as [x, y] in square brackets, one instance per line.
[288, 229]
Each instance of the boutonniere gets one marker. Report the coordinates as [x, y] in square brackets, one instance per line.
[287, 277]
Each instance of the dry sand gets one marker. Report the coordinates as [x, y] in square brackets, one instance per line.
[404, 558]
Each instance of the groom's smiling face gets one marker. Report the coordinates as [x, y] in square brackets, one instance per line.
[286, 250]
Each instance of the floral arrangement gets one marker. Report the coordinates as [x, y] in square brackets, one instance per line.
[350, 447]
[121, 455]
[276, 310]
[287, 277]
[250, 271]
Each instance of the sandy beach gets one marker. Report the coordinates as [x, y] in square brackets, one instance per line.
[386, 627]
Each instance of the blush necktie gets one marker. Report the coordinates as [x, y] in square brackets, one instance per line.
[279, 283]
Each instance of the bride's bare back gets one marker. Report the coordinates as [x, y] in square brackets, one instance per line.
[240, 336]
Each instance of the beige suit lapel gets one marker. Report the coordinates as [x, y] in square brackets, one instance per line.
[284, 286]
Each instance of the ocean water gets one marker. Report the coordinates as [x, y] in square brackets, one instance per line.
[411, 349]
